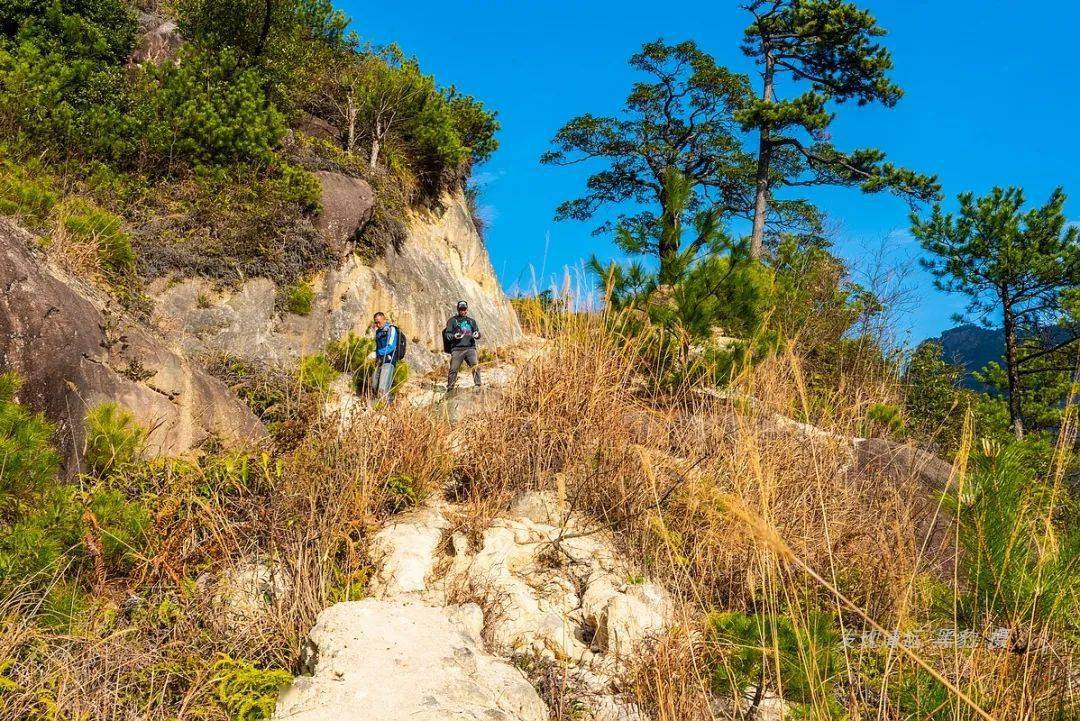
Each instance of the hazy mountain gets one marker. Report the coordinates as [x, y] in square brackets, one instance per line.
[973, 347]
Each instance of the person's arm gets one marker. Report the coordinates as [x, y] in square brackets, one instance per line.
[449, 332]
[475, 328]
[391, 343]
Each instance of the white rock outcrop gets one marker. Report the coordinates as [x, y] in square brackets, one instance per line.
[553, 590]
[404, 553]
[392, 660]
[248, 590]
[441, 260]
[541, 585]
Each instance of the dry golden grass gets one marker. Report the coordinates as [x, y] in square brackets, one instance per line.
[734, 506]
[143, 647]
[720, 497]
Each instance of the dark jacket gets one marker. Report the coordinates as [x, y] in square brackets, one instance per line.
[466, 326]
[388, 344]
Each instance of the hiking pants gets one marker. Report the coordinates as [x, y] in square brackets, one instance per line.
[456, 357]
[383, 381]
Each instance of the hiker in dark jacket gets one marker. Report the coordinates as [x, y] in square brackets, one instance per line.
[389, 349]
[459, 340]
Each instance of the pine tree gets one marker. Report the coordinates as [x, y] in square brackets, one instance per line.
[677, 127]
[831, 46]
[1018, 268]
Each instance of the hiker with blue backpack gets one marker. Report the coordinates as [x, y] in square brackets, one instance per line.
[390, 346]
[459, 340]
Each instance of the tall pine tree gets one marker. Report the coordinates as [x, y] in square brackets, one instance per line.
[828, 47]
[1020, 269]
[677, 127]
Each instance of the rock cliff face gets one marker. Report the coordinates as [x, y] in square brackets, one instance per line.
[74, 350]
[441, 261]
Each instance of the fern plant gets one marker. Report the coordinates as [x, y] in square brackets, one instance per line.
[246, 692]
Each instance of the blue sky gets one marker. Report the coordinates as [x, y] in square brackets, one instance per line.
[992, 97]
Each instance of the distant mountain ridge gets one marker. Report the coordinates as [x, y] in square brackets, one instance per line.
[972, 347]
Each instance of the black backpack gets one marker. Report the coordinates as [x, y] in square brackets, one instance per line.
[402, 346]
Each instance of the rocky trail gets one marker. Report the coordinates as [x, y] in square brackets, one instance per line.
[429, 390]
[469, 625]
[455, 626]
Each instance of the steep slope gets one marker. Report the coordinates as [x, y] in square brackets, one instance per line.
[441, 260]
[74, 349]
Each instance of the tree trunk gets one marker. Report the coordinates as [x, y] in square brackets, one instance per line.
[376, 134]
[761, 194]
[1012, 371]
[670, 233]
[264, 33]
[350, 117]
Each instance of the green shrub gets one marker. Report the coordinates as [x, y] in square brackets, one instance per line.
[33, 547]
[350, 354]
[26, 192]
[884, 418]
[113, 438]
[1022, 557]
[401, 374]
[208, 109]
[316, 373]
[402, 492]
[39, 515]
[62, 80]
[299, 54]
[299, 297]
[87, 222]
[474, 124]
[246, 692]
[295, 186]
[28, 461]
[123, 524]
[749, 650]
[934, 400]
[92, 28]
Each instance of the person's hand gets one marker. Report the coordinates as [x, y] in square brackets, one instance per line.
[459, 336]
[476, 334]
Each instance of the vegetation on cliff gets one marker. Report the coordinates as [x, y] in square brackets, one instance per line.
[194, 155]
